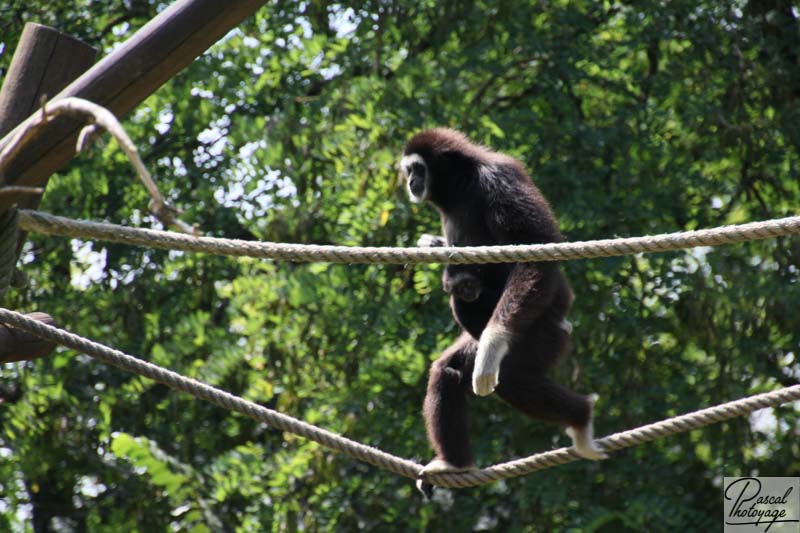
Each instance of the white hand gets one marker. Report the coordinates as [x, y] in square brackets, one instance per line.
[492, 348]
[426, 240]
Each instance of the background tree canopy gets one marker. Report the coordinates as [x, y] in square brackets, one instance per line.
[633, 118]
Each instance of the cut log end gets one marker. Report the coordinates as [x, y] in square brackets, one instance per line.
[19, 345]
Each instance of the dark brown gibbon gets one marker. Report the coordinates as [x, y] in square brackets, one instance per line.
[513, 315]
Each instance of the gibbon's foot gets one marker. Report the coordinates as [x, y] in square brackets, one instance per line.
[583, 437]
[438, 466]
[492, 348]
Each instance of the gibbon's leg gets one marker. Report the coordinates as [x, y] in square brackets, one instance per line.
[445, 407]
[540, 398]
[583, 436]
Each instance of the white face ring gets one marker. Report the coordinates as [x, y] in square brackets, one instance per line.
[406, 164]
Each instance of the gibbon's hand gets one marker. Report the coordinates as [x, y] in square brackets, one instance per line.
[492, 348]
[426, 240]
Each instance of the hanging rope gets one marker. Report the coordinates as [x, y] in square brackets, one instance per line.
[376, 457]
[55, 225]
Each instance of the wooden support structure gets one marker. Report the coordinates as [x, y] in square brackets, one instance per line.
[44, 62]
[124, 78]
[119, 82]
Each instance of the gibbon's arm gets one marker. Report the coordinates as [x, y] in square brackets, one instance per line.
[528, 293]
[516, 217]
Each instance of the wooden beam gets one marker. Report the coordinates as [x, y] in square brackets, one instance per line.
[128, 75]
[19, 345]
[44, 62]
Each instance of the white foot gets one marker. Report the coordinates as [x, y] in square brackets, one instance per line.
[583, 437]
[492, 348]
[440, 466]
[437, 466]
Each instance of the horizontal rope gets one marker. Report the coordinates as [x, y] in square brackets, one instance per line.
[376, 457]
[212, 394]
[55, 225]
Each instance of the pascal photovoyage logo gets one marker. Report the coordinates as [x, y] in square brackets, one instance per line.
[759, 504]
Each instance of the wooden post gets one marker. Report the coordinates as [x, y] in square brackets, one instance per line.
[44, 62]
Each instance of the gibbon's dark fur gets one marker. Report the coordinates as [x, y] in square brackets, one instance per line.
[474, 292]
[487, 198]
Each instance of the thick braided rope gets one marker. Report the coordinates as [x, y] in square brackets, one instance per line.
[55, 225]
[373, 456]
[212, 394]
[626, 439]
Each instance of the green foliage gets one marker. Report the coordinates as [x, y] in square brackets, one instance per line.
[633, 118]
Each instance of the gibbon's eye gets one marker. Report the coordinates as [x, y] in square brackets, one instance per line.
[414, 169]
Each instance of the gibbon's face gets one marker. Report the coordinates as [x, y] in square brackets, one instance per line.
[417, 177]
